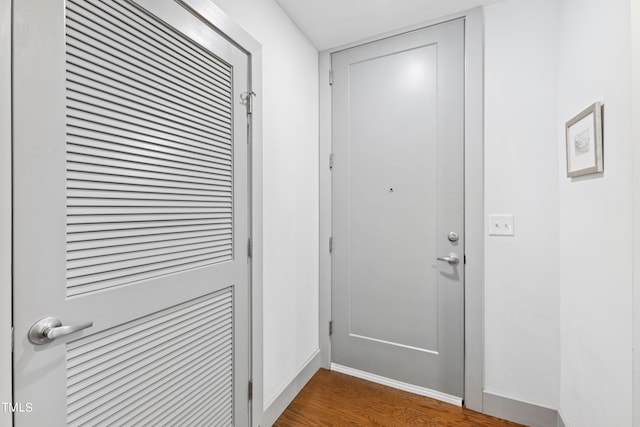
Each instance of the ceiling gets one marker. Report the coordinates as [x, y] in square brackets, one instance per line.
[332, 23]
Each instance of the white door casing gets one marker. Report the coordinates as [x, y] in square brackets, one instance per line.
[131, 203]
[5, 210]
[398, 190]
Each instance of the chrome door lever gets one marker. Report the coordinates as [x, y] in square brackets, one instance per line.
[48, 329]
[451, 259]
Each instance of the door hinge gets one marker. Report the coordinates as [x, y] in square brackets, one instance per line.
[250, 248]
[330, 327]
[330, 244]
[247, 99]
[465, 259]
[331, 161]
[330, 77]
[250, 390]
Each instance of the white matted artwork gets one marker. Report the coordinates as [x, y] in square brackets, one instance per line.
[584, 142]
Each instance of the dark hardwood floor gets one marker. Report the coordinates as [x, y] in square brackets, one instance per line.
[334, 399]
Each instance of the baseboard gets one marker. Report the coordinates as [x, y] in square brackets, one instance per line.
[397, 384]
[494, 404]
[520, 412]
[276, 406]
[560, 420]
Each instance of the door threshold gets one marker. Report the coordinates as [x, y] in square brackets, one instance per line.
[422, 391]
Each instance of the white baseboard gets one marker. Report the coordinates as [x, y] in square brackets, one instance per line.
[494, 404]
[276, 406]
[397, 384]
[517, 411]
[560, 420]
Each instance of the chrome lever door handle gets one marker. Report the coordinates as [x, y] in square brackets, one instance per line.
[48, 329]
[451, 259]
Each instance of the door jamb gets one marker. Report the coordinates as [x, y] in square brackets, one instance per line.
[241, 38]
[474, 199]
[6, 368]
[635, 115]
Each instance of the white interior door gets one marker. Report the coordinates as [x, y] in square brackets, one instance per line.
[398, 201]
[131, 212]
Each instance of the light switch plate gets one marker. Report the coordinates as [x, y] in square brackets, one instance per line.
[501, 225]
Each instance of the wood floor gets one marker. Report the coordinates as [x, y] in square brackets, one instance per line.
[334, 399]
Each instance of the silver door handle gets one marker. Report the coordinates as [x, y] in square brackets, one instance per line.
[48, 329]
[451, 259]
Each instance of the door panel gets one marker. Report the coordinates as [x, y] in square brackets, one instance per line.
[176, 357]
[405, 167]
[131, 201]
[397, 193]
[108, 250]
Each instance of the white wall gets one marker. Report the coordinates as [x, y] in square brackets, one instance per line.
[290, 189]
[522, 312]
[596, 219]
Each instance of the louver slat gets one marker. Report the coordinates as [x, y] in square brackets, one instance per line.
[128, 145]
[87, 163]
[143, 248]
[122, 225]
[176, 364]
[121, 182]
[149, 149]
[148, 254]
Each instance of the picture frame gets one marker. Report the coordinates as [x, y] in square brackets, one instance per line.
[584, 142]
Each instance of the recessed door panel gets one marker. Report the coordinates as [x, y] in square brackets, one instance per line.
[392, 231]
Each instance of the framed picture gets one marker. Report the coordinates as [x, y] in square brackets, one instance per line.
[584, 142]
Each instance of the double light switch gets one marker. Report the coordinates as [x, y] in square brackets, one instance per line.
[501, 225]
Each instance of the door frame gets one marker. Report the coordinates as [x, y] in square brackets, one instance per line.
[635, 115]
[6, 208]
[220, 21]
[473, 198]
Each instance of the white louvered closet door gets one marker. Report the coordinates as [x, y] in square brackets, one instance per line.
[131, 211]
